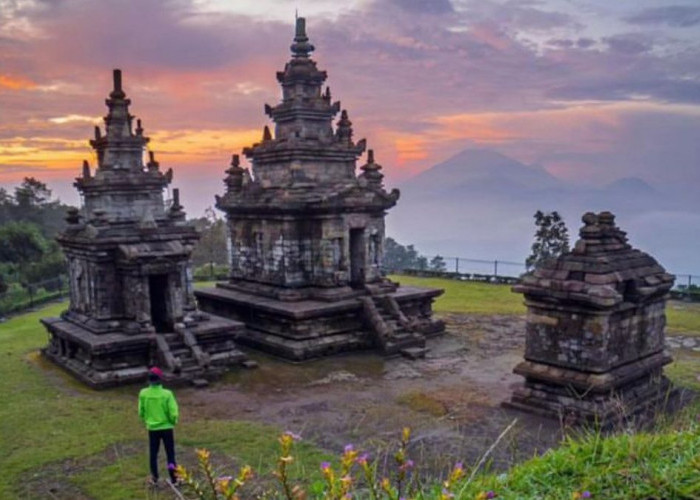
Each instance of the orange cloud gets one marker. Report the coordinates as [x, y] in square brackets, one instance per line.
[410, 148]
[172, 148]
[480, 128]
[16, 83]
[183, 146]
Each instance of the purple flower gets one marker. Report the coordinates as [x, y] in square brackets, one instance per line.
[294, 436]
[490, 494]
[362, 459]
[171, 466]
[586, 494]
[348, 448]
[325, 465]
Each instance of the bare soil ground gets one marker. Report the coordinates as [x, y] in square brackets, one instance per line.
[451, 399]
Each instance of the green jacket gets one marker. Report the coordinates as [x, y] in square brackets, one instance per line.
[158, 408]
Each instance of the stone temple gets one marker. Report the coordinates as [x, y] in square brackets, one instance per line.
[131, 299]
[595, 331]
[307, 234]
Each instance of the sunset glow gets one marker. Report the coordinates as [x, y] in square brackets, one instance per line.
[543, 82]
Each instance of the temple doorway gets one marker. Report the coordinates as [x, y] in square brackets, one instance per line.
[158, 291]
[357, 257]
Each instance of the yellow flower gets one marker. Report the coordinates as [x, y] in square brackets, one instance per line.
[203, 454]
[406, 434]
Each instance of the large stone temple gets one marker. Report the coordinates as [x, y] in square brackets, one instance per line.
[307, 234]
[594, 348]
[131, 298]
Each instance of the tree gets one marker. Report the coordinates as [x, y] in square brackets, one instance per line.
[32, 193]
[437, 263]
[551, 239]
[398, 257]
[32, 202]
[21, 243]
[212, 246]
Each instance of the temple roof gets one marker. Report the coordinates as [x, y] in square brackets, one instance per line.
[602, 270]
[307, 159]
[123, 188]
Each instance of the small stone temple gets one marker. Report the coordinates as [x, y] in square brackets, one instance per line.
[307, 234]
[131, 300]
[594, 348]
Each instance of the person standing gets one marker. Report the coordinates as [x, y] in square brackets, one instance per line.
[158, 410]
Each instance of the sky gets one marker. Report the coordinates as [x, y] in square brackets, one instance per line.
[591, 90]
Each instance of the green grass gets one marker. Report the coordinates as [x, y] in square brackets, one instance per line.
[468, 296]
[47, 419]
[683, 317]
[625, 467]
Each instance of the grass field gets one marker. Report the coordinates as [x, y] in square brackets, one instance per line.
[47, 419]
[52, 428]
[469, 297]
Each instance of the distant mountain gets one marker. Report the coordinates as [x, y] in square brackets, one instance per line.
[480, 170]
[479, 204]
[630, 185]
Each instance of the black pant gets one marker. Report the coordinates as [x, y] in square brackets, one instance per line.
[154, 438]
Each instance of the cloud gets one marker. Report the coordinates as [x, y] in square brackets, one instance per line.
[404, 69]
[16, 82]
[425, 6]
[628, 44]
[678, 16]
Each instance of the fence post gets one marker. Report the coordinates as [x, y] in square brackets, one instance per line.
[457, 265]
[495, 269]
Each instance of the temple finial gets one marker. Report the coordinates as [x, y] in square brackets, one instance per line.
[117, 79]
[267, 136]
[370, 156]
[301, 46]
[86, 169]
[235, 161]
[343, 130]
[139, 128]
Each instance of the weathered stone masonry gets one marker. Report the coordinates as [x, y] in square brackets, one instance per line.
[307, 233]
[131, 297]
[595, 330]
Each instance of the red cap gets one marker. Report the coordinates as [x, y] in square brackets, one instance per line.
[156, 371]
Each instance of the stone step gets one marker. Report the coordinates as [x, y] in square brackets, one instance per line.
[414, 352]
[200, 382]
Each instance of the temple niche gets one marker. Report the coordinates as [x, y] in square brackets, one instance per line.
[131, 297]
[307, 234]
[594, 348]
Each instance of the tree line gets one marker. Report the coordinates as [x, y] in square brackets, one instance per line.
[30, 219]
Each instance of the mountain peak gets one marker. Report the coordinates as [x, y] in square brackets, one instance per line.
[479, 167]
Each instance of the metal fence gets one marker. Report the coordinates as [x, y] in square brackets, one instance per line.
[467, 269]
[19, 297]
[686, 286]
